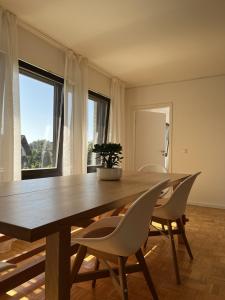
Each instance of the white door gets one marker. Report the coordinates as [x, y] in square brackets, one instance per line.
[149, 138]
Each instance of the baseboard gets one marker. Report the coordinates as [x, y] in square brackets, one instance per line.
[212, 205]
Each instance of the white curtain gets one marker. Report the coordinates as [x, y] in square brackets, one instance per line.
[10, 149]
[117, 113]
[75, 114]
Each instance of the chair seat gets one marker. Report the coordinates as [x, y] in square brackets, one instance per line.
[6, 266]
[99, 232]
[100, 228]
[161, 201]
[159, 212]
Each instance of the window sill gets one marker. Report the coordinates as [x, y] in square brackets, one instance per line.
[40, 173]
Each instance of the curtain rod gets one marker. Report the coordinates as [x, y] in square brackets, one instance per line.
[58, 45]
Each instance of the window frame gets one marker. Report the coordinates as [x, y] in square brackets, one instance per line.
[94, 97]
[45, 76]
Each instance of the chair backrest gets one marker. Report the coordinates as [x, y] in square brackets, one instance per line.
[176, 205]
[132, 231]
[152, 168]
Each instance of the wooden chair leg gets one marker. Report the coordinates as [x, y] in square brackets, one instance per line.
[97, 263]
[183, 234]
[81, 253]
[123, 278]
[146, 242]
[174, 252]
[140, 258]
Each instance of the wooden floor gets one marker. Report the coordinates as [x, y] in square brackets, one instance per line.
[202, 279]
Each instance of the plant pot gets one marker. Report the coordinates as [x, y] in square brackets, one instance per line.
[109, 173]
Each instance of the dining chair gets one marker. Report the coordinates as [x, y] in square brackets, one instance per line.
[173, 211]
[114, 239]
[152, 168]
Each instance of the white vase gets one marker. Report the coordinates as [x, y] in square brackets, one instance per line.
[109, 173]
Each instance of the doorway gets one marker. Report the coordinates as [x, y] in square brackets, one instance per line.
[152, 139]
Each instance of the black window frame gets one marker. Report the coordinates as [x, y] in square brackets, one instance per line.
[95, 97]
[45, 76]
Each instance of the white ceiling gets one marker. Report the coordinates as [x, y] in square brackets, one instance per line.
[140, 41]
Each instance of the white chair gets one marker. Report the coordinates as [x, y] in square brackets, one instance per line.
[152, 168]
[173, 211]
[116, 238]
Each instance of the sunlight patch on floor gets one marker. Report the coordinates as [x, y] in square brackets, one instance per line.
[89, 257]
[77, 229]
[11, 293]
[26, 284]
[37, 291]
[151, 250]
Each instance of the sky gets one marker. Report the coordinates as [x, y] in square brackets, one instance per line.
[36, 105]
[91, 105]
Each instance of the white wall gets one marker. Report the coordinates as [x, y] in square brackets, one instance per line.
[98, 82]
[42, 54]
[198, 126]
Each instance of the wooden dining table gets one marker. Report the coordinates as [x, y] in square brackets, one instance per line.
[48, 207]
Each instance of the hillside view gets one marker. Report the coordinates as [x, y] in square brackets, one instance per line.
[38, 154]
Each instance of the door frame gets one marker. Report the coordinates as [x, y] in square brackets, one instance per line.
[130, 164]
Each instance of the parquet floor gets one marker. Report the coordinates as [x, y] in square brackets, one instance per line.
[202, 279]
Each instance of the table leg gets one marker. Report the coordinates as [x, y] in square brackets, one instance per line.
[57, 266]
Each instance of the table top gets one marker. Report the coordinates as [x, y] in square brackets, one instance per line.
[32, 209]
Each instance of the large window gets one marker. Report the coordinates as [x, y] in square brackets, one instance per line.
[98, 116]
[41, 104]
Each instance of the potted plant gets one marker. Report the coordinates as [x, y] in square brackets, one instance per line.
[110, 155]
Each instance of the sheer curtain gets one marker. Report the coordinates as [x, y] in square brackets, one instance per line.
[101, 120]
[10, 149]
[75, 114]
[117, 113]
